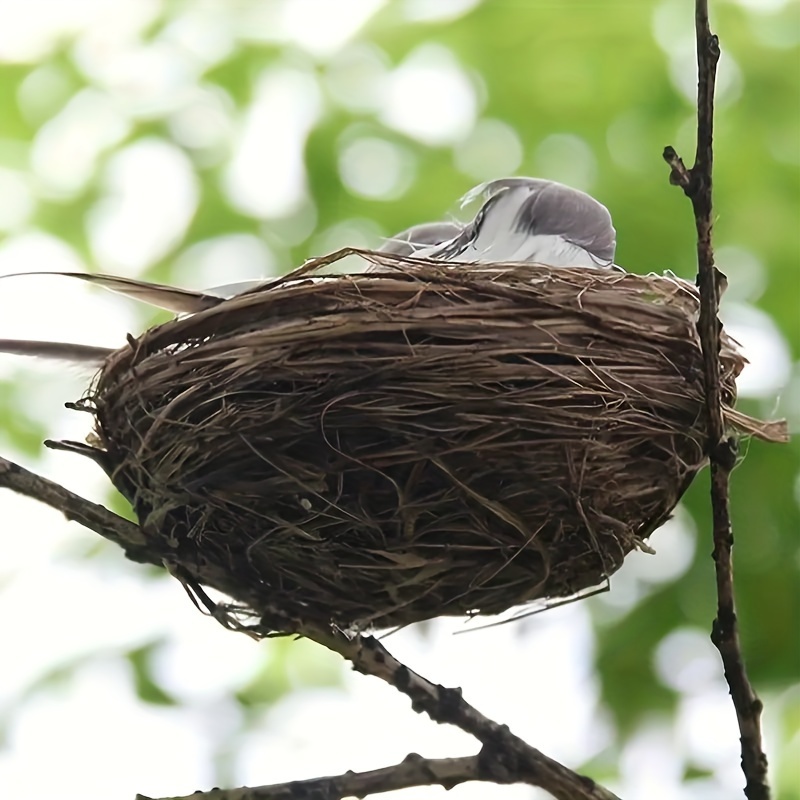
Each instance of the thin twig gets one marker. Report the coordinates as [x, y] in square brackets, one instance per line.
[697, 185]
[413, 770]
[504, 758]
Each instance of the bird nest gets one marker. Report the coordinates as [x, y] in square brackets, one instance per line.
[424, 439]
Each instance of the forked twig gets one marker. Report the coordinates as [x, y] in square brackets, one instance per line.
[697, 185]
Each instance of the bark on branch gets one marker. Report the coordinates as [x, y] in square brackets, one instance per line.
[697, 185]
[413, 770]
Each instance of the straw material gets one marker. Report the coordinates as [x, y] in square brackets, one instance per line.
[423, 439]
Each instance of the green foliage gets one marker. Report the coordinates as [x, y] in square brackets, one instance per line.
[291, 664]
[25, 434]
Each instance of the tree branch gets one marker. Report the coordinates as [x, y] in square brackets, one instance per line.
[95, 517]
[504, 757]
[697, 185]
[413, 770]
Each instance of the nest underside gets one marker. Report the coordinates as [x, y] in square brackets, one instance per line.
[380, 449]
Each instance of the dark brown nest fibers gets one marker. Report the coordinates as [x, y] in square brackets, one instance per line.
[424, 439]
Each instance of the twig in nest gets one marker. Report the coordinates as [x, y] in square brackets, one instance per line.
[504, 758]
[696, 184]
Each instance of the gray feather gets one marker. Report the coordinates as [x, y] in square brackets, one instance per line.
[553, 208]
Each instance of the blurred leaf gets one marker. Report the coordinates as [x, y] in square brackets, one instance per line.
[147, 688]
[22, 432]
[624, 660]
[695, 773]
[291, 664]
[269, 685]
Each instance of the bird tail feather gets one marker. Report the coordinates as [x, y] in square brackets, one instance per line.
[171, 298]
[61, 351]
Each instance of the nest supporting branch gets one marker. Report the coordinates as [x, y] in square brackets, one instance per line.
[504, 758]
[116, 529]
[697, 185]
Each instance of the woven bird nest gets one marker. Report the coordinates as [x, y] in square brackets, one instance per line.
[424, 439]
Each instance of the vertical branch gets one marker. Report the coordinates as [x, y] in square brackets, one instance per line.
[697, 184]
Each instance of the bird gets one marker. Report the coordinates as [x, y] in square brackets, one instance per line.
[532, 220]
[527, 220]
[520, 220]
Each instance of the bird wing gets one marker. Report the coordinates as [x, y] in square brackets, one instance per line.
[412, 240]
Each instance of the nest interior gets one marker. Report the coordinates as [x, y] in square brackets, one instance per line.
[424, 439]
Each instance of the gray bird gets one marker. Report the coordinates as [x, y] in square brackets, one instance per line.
[525, 220]
[534, 221]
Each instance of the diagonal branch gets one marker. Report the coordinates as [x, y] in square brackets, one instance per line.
[95, 517]
[697, 185]
[413, 770]
[504, 758]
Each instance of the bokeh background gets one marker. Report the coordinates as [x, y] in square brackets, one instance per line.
[205, 142]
